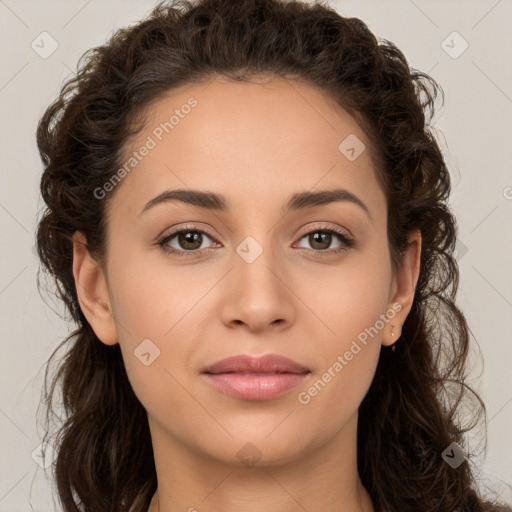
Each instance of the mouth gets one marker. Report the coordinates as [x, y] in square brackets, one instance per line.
[255, 378]
[247, 373]
[243, 363]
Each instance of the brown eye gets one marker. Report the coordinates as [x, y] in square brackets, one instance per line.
[185, 241]
[320, 240]
[190, 240]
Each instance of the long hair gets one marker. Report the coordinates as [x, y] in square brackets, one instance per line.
[410, 414]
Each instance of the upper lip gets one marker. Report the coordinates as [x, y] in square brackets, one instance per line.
[269, 363]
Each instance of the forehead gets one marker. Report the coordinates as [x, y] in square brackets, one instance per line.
[253, 142]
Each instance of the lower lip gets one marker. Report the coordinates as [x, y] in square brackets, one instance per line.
[255, 386]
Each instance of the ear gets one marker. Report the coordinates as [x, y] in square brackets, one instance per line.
[403, 288]
[92, 291]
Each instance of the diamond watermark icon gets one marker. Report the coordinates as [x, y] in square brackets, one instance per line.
[454, 455]
[249, 454]
[249, 249]
[351, 147]
[146, 352]
[454, 45]
[44, 45]
[461, 250]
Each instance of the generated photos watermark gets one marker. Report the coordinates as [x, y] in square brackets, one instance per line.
[136, 157]
[304, 397]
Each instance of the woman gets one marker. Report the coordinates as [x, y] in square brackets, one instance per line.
[247, 220]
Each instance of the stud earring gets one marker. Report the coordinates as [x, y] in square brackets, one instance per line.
[393, 347]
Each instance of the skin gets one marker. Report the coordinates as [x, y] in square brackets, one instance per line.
[257, 144]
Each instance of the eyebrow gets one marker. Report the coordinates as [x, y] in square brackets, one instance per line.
[217, 202]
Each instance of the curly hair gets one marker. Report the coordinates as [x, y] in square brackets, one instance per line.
[410, 413]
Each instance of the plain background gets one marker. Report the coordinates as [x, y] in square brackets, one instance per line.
[473, 129]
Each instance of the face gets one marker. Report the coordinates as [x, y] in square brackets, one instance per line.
[184, 285]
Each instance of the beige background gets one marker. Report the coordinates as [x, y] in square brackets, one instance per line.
[473, 128]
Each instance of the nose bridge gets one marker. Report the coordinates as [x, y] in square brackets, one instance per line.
[255, 262]
[256, 252]
[258, 295]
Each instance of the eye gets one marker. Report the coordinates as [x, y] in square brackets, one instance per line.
[189, 240]
[321, 238]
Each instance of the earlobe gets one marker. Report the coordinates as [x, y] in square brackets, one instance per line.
[92, 291]
[404, 286]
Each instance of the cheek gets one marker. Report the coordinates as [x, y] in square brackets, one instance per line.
[157, 311]
[348, 348]
[154, 353]
[350, 315]
[146, 296]
[346, 301]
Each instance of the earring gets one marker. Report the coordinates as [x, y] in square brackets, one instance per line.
[393, 347]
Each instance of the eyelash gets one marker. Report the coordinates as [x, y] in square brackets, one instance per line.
[345, 240]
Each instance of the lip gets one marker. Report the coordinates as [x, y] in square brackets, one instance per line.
[269, 363]
[255, 378]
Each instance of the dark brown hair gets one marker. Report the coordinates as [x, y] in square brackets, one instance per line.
[410, 414]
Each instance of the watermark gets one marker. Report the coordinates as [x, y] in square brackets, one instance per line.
[507, 192]
[454, 455]
[44, 455]
[249, 454]
[454, 45]
[351, 147]
[461, 250]
[304, 397]
[44, 45]
[146, 352]
[151, 143]
[249, 249]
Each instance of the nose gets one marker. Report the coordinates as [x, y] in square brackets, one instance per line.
[258, 292]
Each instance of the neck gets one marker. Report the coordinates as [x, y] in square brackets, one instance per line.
[325, 478]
